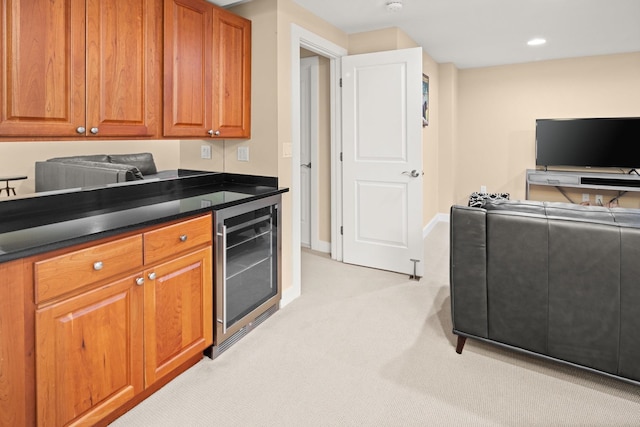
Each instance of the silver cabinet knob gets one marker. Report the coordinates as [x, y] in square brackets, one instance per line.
[210, 132]
[97, 266]
[81, 129]
[217, 133]
[152, 276]
[94, 130]
[183, 238]
[140, 281]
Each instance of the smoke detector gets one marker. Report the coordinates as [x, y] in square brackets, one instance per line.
[394, 6]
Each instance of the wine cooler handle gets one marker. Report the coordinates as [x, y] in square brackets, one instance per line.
[224, 279]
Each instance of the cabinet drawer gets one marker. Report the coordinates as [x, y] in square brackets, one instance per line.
[173, 239]
[553, 179]
[65, 273]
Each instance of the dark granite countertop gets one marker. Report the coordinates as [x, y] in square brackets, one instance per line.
[46, 221]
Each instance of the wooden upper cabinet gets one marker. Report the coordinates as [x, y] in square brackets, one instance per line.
[232, 104]
[42, 67]
[188, 57]
[80, 68]
[123, 67]
[207, 71]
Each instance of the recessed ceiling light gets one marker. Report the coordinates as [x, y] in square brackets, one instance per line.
[536, 42]
[394, 6]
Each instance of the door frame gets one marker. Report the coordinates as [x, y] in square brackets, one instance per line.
[313, 100]
[301, 37]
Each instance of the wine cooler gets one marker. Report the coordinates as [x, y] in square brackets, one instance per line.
[247, 272]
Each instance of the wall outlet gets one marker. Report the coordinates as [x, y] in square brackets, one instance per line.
[599, 200]
[243, 154]
[483, 188]
[585, 197]
[205, 151]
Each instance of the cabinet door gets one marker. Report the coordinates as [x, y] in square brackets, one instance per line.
[178, 313]
[232, 84]
[187, 68]
[42, 67]
[123, 67]
[89, 355]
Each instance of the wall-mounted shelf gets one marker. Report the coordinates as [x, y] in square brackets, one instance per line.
[586, 180]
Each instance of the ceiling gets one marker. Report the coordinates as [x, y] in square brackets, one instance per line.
[480, 33]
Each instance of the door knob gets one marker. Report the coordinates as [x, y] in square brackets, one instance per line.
[413, 174]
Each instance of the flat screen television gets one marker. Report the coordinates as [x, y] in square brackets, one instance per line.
[598, 142]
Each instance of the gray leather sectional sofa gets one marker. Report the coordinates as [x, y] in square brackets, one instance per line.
[97, 169]
[557, 280]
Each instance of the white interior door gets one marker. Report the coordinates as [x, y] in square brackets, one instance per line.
[308, 143]
[382, 160]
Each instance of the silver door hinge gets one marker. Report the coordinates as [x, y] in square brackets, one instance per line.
[340, 81]
[340, 156]
[341, 230]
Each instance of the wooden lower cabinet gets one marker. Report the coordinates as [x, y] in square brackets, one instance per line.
[89, 354]
[178, 296]
[104, 346]
[17, 403]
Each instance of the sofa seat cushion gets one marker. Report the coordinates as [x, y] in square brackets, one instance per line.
[143, 161]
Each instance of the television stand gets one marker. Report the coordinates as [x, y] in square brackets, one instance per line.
[587, 180]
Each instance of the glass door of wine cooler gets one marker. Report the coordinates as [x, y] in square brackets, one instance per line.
[247, 276]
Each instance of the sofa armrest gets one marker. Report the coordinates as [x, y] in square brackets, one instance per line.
[468, 270]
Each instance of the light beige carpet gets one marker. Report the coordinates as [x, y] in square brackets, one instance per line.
[363, 347]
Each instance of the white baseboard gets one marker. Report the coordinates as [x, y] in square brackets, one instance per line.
[324, 247]
[289, 294]
[434, 221]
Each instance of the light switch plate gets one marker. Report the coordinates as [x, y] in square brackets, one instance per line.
[243, 154]
[205, 151]
[286, 149]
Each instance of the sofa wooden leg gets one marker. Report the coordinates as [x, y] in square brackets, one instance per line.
[460, 345]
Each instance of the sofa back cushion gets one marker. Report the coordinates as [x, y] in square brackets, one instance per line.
[570, 210]
[525, 206]
[132, 172]
[143, 161]
[89, 158]
[627, 216]
[553, 209]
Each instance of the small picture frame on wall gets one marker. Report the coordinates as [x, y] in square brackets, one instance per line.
[425, 100]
